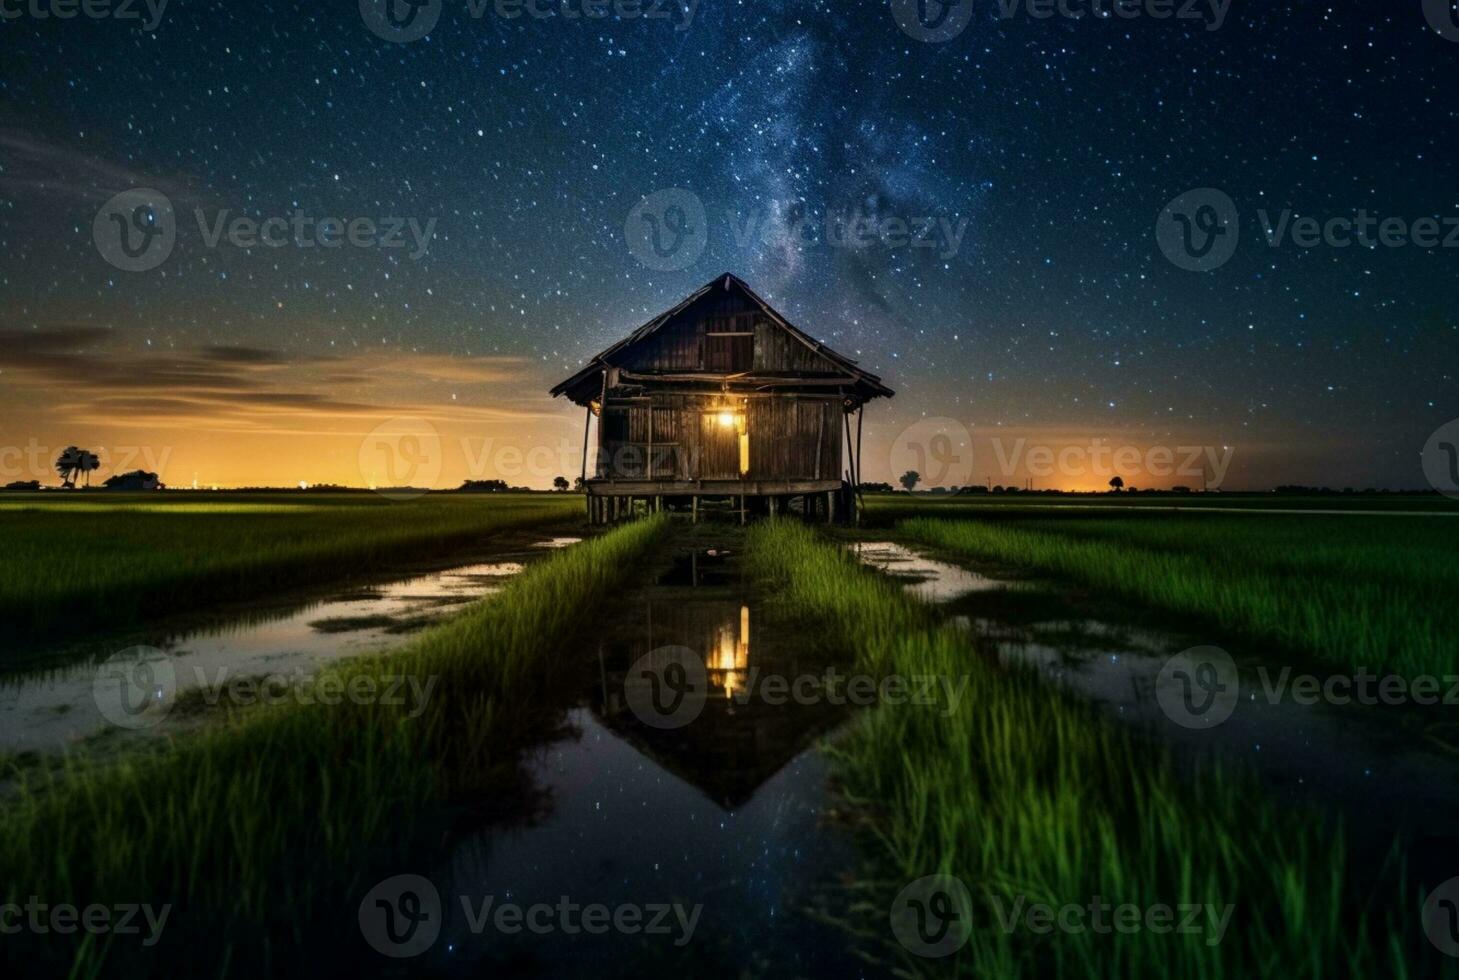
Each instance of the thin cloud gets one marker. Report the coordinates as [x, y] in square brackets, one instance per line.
[95, 376]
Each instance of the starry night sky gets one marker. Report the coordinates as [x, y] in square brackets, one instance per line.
[530, 141]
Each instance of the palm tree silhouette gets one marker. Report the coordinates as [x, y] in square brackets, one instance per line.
[88, 463]
[68, 463]
[72, 462]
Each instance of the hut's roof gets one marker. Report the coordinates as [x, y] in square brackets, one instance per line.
[863, 384]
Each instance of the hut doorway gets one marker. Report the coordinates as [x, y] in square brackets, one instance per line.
[725, 440]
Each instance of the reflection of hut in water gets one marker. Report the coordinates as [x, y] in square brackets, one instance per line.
[738, 741]
[722, 398]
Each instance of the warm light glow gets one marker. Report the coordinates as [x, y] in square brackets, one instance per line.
[726, 420]
[730, 657]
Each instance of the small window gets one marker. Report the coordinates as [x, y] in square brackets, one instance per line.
[615, 425]
[730, 353]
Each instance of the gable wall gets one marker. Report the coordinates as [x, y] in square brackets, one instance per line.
[680, 345]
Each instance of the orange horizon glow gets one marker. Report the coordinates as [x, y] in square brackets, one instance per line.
[236, 417]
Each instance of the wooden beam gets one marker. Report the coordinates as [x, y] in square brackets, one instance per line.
[587, 424]
[861, 502]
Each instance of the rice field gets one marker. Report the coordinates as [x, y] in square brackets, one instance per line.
[78, 564]
[1353, 592]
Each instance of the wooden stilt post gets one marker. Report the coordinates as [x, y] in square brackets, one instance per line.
[856, 480]
[860, 418]
[742, 510]
[695, 507]
[772, 506]
[587, 422]
[830, 507]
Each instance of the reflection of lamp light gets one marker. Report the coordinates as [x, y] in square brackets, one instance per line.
[730, 656]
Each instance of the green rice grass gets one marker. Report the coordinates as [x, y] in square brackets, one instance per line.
[1373, 593]
[1023, 791]
[113, 562]
[251, 826]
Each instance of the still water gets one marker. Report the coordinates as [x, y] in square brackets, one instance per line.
[48, 710]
